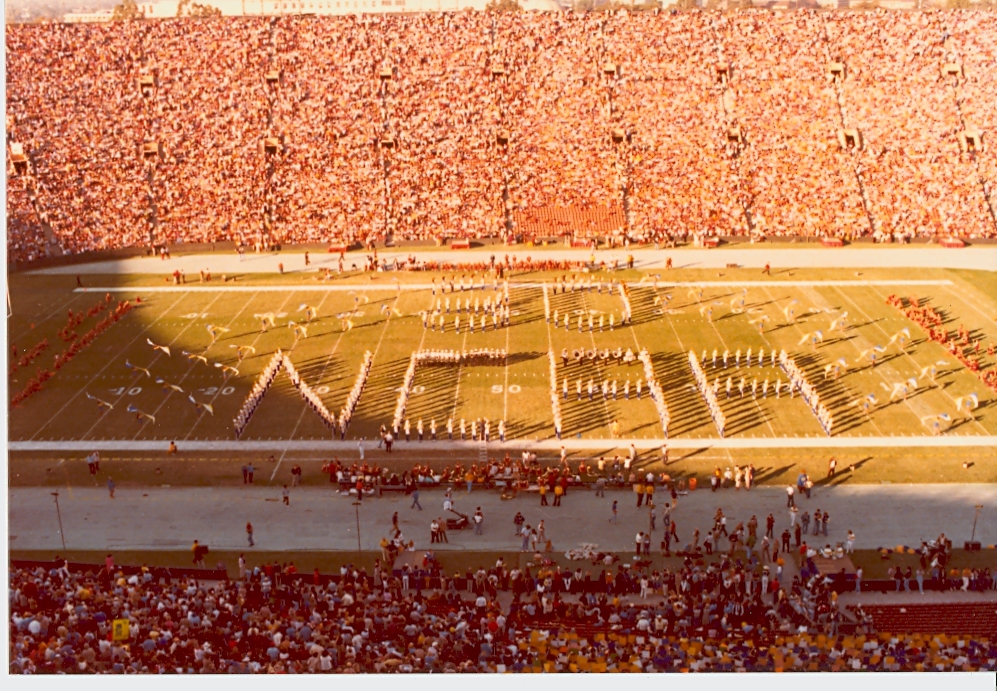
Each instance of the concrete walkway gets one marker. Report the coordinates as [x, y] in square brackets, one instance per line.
[321, 519]
[779, 256]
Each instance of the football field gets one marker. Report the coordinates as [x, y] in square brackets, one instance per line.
[151, 391]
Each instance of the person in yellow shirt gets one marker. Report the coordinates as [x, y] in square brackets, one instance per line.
[543, 494]
[469, 478]
[639, 489]
[649, 492]
[558, 493]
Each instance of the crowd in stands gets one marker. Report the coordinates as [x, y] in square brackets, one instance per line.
[369, 127]
[273, 619]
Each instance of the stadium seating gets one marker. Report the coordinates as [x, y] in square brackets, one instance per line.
[973, 619]
[654, 125]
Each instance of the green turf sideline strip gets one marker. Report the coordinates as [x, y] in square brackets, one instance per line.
[362, 288]
[962, 441]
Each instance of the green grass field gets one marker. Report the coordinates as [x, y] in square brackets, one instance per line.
[390, 326]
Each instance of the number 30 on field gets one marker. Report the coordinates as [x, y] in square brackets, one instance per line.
[514, 388]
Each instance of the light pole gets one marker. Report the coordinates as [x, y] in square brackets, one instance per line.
[978, 507]
[356, 508]
[62, 535]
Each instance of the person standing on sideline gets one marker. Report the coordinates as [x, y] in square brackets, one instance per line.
[615, 518]
[790, 491]
[558, 493]
[286, 493]
[858, 580]
[543, 494]
[360, 447]
[110, 487]
[242, 567]
[245, 474]
[249, 533]
[415, 500]
[249, 472]
[478, 518]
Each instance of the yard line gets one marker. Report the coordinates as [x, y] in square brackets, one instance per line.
[879, 371]
[190, 369]
[505, 388]
[460, 368]
[421, 340]
[668, 318]
[967, 301]
[799, 330]
[138, 376]
[598, 367]
[301, 416]
[44, 319]
[101, 370]
[911, 358]
[218, 393]
[325, 366]
[754, 400]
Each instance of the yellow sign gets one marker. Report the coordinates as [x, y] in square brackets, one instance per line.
[120, 629]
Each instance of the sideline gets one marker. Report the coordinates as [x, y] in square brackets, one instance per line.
[361, 288]
[815, 442]
[980, 257]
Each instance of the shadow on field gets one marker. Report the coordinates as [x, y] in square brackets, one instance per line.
[842, 475]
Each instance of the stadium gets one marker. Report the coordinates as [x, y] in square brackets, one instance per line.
[726, 279]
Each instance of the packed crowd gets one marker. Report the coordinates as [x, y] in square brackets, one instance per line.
[353, 128]
[273, 619]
